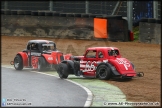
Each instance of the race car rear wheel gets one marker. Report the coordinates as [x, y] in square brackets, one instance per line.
[63, 70]
[18, 62]
[41, 64]
[103, 72]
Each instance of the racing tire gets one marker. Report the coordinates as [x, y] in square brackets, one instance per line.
[63, 70]
[41, 64]
[18, 62]
[103, 72]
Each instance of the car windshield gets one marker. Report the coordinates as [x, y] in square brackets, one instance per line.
[46, 47]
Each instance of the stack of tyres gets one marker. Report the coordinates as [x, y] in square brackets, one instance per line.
[150, 30]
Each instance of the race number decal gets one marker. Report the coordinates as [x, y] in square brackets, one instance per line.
[90, 66]
[124, 62]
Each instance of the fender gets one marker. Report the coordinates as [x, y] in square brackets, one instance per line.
[67, 56]
[57, 57]
[24, 58]
[48, 58]
[113, 70]
[123, 65]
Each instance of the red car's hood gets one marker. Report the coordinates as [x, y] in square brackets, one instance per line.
[122, 65]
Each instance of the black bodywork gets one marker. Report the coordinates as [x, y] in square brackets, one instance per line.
[38, 45]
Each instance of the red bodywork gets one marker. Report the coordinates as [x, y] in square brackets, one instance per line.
[89, 65]
[52, 59]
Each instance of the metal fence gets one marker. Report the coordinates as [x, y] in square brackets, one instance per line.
[98, 7]
[140, 8]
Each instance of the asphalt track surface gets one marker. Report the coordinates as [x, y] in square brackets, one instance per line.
[39, 90]
[100, 93]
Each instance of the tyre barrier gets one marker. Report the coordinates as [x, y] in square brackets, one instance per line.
[41, 13]
[69, 15]
[34, 13]
[62, 14]
[92, 15]
[148, 20]
[57, 14]
[46, 28]
[77, 15]
[13, 12]
[20, 12]
[144, 20]
[26, 12]
[151, 20]
[7, 12]
[48, 13]
[2, 11]
[158, 21]
[85, 15]
[114, 16]
[99, 17]
[109, 16]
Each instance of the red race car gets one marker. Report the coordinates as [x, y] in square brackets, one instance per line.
[99, 62]
[39, 54]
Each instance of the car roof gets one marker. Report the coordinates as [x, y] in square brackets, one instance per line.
[40, 41]
[102, 48]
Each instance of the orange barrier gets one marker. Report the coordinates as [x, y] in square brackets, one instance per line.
[100, 28]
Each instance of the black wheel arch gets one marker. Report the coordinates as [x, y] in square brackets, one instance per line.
[113, 71]
[70, 65]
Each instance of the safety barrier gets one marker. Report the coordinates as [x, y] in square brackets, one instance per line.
[150, 30]
[64, 25]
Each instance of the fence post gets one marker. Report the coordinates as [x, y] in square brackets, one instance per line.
[155, 9]
[130, 14]
[5, 5]
[51, 5]
[86, 7]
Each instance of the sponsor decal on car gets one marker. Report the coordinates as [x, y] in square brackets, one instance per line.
[124, 62]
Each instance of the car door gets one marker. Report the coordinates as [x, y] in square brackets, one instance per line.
[88, 63]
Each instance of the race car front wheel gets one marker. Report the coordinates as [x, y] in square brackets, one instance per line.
[103, 72]
[18, 62]
[63, 70]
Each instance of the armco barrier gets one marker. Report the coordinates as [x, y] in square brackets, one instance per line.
[63, 25]
[150, 31]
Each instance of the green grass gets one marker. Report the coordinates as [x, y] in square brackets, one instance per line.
[136, 33]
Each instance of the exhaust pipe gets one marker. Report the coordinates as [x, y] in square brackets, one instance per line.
[140, 74]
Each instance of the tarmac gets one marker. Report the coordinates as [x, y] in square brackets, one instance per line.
[100, 93]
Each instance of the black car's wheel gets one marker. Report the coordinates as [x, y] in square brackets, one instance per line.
[18, 62]
[103, 72]
[63, 70]
[41, 64]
